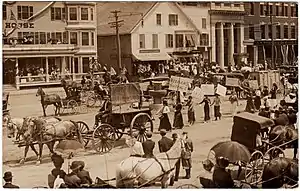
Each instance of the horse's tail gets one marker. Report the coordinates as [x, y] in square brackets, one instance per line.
[78, 133]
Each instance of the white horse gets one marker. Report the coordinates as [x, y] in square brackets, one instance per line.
[141, 171]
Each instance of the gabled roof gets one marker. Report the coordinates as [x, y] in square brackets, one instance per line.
[104, 15]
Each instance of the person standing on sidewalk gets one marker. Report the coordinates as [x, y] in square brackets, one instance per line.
[178, 120]
[257, 99]
[187, 154]
[274, 91]
[191, 111]
[217, 107]
[234, 103]
[206, 102]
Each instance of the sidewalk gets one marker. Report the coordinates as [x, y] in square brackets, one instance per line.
[33, 91]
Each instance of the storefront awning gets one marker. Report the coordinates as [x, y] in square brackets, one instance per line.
[153, 57]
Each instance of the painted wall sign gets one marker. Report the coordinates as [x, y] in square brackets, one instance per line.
[20, 25]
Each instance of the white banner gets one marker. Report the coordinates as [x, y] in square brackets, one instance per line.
[221, 90]
[208, 89]
[232, 82]
[197, 94]
[179, 83]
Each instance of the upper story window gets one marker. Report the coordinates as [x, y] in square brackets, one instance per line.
[154, 40]
[73, 38]
[142, 40]
[263, 31]
[92, 14]
[84, 14]
[24, 12]
[294, 10]
[218, 4]
[92, 39]
[251, 31]
[57, 13]
[204, 40]
[204, 23]
[169, 41]
[285, 11]
[190, 3]
[73, 13]
[158, 19]
[278, 32]
[85, 39]
[227, 4]
[262, 10]
[173, 20]
[179, 40]
[251, 12]
[190, 40]
[286, 32]
[293, 32]
[237, 5]
[4, 13]
[279, 10]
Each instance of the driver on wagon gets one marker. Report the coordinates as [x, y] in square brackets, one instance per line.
[104, 111]
[221, 177]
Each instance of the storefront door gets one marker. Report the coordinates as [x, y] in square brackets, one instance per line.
[9, 72]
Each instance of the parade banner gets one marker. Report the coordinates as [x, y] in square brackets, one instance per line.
[179, 83]
[221, 90]
[124, 93]
[253, 84]
[234, 82]
[197, 94]
[208, 89]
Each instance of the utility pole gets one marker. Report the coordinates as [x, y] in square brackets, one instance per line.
[272, 38]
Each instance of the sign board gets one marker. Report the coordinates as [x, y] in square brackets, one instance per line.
[179, 83]
[197, 94]
[124, 93]
[234, 82]
[253, 84]
[221, 90]
[208, 89]
[20, 25]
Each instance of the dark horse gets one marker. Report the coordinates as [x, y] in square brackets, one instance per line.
[280, 171]
[52, 99]
[37, 129]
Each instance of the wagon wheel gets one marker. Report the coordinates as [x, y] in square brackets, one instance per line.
[274, 152]
[254, 169]
[83, 108]
[104, 138]
[91, 100]
[84, 130]
[142, 123]
[119, 133]
[187, 186]
[73, 105]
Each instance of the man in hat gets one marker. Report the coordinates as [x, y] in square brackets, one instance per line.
[222, 178]
[165, 143]
[187, 154]
[148, 146]
[104, 112]
[177, 165]
[84, 175]
[72, 180]
[57, 171]
[8, 180]
[136, 147]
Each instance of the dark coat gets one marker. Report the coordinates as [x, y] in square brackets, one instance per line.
[85, 177]
[164, 144]
[222, 178]
[148, 147]
[10, 185]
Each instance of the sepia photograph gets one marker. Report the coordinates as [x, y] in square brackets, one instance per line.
[150, 94]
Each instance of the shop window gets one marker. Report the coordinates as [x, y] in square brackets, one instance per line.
[270, 31]
[85, 64]
[227, 4]
[73, 38]
[92, 14]
[42, 38]
[190, 40]
[173, 19]
[169, 41]
[92, 39]
[293, 32]
[278, 32]
[73, 14]
[85, 38]
[158, 19]
[58, 37]
[36, 38]
[4, 12]
[84, 14]
[154, 40]
[251, 31]
[24, 12]
[179, 40]
[142, 40]
[263, 31]
[204, 23]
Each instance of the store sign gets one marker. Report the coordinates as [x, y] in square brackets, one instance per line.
[20, 25]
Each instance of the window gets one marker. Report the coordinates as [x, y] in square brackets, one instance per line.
[57, 13]
[100, 42]
[169, 41]
[142, 40]
[154, 40]
[293, 32]
[278, 32]
[85, 39]
[58, 37]
[42, 38]
[158, 19]
[263, 31]
[251, 31]
[178, 40]
[36, 38]
[84, 14]
[278, 10]
[85, 64]
[251, 8]
[73, 14]
[285, 10]
[227, 5]
[294, 11]
[286, 32]
[92, 39]
[236, 5]
[173, 20]
[24, 12]
[269, 9]
[270, 31]
[73, 38]
[4, 13]
[204, 39]
[48, 37]
[190, 40]
[262, 10]
[92, 14]
[204, 23]
[190, 3]
[218, 4]
[65, 37]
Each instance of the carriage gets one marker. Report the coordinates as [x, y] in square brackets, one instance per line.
[129, 112]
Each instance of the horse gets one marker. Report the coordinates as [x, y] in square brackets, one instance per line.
[149, 170]
[280, 171]
[37, 129]
[52, 99]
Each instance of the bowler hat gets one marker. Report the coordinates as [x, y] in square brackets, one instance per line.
[7, 175]
[75, 165]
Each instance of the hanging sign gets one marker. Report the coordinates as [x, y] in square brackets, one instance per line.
[208, 89]
[221, 90]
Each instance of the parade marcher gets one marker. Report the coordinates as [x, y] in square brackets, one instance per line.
[257, 99]
[292, 116]
[217, 106]
[222, 178]
[273, 91]
[148, 146]
[106, 76]
[165, 143]
[57, 171]
[177, 165]
[281, 118]
[72, 180]
[206, 102]
[234, 103]
[136, 147]
[84, 175]
[104, 112]
[187, 154]
[250, 105]
[265, 91]
[8, 180]
[191, 111]
[178, 119]
[164, 118]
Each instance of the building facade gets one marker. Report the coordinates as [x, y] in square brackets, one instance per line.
[267, 21]
[44, 42]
